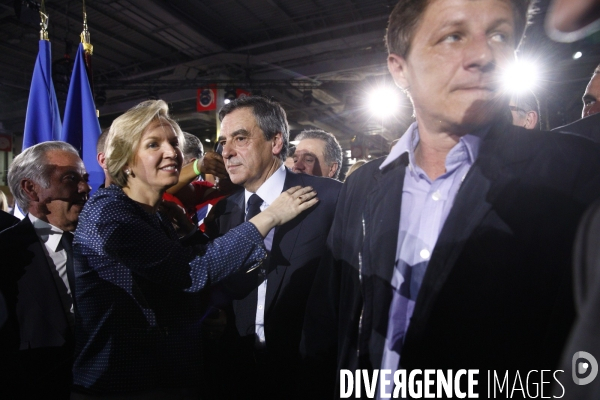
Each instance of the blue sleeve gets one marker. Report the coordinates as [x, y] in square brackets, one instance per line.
[140, 244]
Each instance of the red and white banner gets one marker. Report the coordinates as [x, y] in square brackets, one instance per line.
[206, 99]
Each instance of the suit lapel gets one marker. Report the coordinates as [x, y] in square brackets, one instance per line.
[235, 213]
[486, 181]
[40, 282]
[381, 221]
[284, 242]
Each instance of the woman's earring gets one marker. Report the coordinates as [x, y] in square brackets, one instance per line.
[127, 172]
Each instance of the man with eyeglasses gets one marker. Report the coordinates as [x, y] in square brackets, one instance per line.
[525, 110]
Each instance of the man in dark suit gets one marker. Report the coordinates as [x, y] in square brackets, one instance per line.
[269, 303]
[49, 182]
[454, 251]
[589, 124]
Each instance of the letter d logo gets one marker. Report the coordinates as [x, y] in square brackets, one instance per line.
[580, 368]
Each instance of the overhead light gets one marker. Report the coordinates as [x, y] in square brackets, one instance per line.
[520, 77]
[230, 95]
[207, 140]
[384, 101]
[577, 55]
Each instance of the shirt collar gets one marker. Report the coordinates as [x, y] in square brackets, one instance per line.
[271, 188]
[408, 142]
[48, 234]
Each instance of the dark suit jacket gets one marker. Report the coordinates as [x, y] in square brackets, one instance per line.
[296, 253]
[36, 342]
[588, 127]
[585, 335]
[7, 220]
[497, 291]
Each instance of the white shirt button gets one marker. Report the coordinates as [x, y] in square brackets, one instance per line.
[260, 307]
[425, 254]
[436, 195]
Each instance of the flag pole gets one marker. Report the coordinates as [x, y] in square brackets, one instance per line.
[89, 50]
[81, 127]
[43, 22]
[42, 119]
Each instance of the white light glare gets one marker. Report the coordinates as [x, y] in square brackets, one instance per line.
[226, 101]
[577, 55]
[207, 140]
[383, 102]
[520, 77]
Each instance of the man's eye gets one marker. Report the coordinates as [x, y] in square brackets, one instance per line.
[240, 138]
[455, 37]
[309, 160]
[499, 37]
[589, 102]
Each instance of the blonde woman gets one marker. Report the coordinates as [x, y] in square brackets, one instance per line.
[138, 313]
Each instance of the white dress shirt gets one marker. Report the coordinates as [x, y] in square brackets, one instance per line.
[268, 192]
[50, 237]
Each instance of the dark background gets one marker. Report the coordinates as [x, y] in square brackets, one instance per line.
[320, 58]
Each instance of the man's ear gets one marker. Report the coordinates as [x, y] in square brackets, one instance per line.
[30, 189]
[101, 158]
[398, 69]
[532, 120]
[332, 170]
[277, 143]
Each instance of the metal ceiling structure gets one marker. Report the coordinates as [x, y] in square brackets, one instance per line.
[332, 49]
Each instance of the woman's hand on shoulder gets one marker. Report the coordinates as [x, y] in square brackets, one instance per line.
[286, 207]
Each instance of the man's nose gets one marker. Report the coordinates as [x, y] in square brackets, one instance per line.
[478, 53]
[228, 150]
[298, 166]
[84, 187]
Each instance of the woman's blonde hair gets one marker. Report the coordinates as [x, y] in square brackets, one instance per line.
[3, 201]
[126, 132]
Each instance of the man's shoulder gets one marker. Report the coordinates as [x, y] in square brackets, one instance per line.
[367, 172]
[16, 245]
[16, 232]
[319, 182]
[554, 146]
[7, 220]
[588, 127]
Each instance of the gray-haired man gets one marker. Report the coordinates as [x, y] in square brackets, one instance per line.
[49, 183]
[318, 153]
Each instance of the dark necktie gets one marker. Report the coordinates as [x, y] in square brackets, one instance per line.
[67, 244]
[254, 203]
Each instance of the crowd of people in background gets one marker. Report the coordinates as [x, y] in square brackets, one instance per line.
[255, 273]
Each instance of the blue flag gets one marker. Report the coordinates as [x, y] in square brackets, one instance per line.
[42, 121]
[81, 127]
